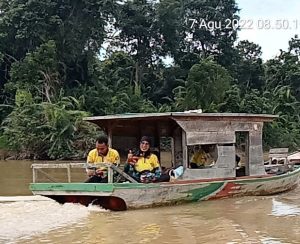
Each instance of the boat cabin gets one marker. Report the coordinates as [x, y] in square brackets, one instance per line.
[221, 132]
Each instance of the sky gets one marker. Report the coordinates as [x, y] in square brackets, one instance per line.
[284, 19]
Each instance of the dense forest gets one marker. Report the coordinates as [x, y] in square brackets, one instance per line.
[63, 60]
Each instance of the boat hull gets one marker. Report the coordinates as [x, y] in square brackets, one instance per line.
[122, 196]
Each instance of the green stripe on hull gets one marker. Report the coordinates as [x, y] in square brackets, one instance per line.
[88, 187]
[202, 192]
[80, 187]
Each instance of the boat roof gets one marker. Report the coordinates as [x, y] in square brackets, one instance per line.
[184, 115]
[166, 123]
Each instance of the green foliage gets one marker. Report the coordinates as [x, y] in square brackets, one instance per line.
[168, 80]
[170, 25]
[37, 73]
[287, 127]
[277, 135]
[232, 100]
[284, 70]
[248, 67]
[254, 102]
[207, 83]
[47, 130]
[180, 23]
[23, 97]
[28, 24]
[138, 36]
[50, 71]
[4, 144]
[180, 94]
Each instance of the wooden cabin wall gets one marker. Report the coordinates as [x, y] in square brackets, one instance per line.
[208, 173]
[226, 157]
[224, 167]
[256, 164]
[222, 133]
[210, 137]
[218, 126]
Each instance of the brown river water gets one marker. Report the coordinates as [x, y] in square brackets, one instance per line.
[271, 219]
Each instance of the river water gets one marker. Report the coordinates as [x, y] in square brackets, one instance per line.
[271, 219]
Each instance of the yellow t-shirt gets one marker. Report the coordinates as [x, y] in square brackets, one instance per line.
[149, 163]
[111, 157]
[201, 158]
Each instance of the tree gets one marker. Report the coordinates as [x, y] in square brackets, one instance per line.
[206, 84]
[138, 35]
[76, 27]
[201, 27]
[38, 73]
[48, 130]
[285, 131]
[284, 70]
[248, 66]
[232, 100]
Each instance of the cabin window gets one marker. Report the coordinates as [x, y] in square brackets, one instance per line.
[202, 156]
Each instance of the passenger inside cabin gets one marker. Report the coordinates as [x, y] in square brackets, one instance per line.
[240, 159]
[143, 165]
[240, 166]
[101, 154]
[201, 157]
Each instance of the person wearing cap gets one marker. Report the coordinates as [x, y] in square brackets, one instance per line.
[144, 165]
[101, 154]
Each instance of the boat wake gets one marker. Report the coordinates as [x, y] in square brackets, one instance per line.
[22, 218]
[96, 208]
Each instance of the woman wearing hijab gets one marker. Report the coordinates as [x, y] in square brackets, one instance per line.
[143, 165]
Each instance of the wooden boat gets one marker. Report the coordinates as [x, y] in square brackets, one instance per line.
[220, 131]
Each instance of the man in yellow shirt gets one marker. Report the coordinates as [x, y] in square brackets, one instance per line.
[101, 154]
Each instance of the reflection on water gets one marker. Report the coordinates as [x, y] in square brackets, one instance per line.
[268, 220]
[283, 209]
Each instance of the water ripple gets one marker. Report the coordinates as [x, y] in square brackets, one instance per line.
[282, 209]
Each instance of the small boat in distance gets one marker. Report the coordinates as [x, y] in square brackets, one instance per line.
[220, 131]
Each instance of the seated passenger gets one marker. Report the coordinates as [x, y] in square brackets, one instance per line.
[240, 166]
[143, 165]
[101, 154]
[201, 157]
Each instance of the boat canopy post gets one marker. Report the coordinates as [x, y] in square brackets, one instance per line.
[109, 131]
[247, 172]
[184, 150]
[177, 147]
[157, 140]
